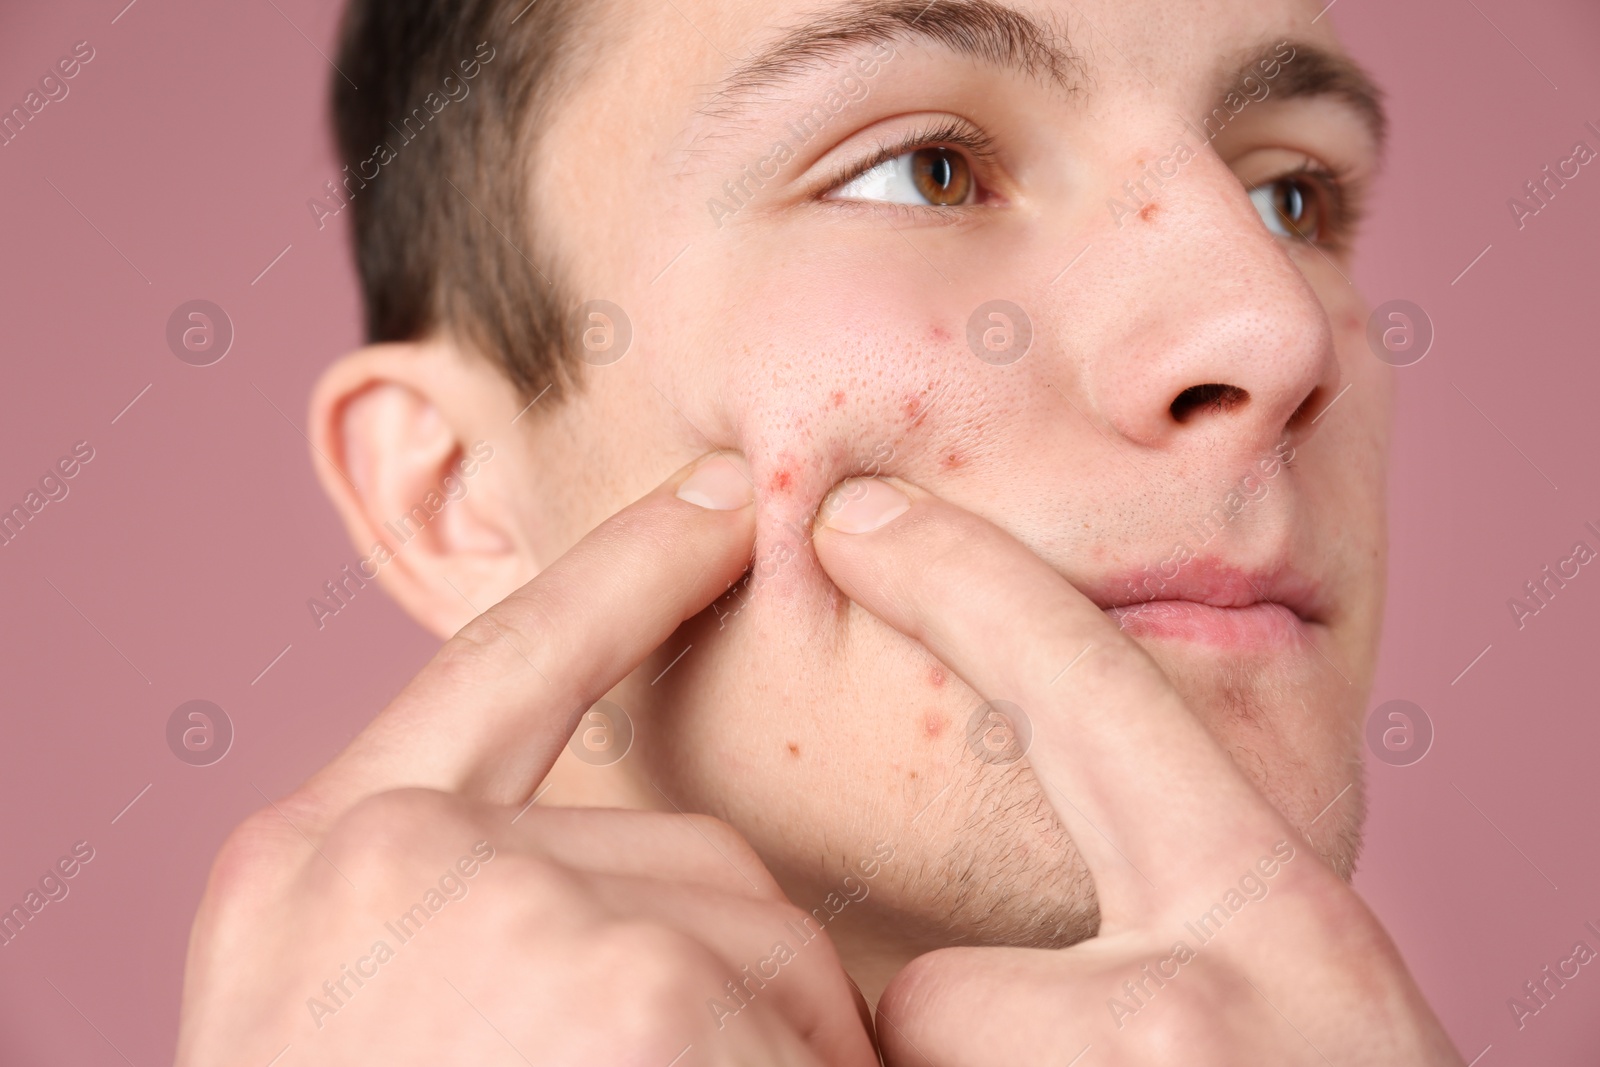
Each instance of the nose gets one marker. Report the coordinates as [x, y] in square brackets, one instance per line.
[1218, 343]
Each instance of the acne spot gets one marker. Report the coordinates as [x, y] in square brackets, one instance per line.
[911, 406]
[952, 461]
[794, 750]
[941, 334]
[935, 677]
[1148, 212]
[913, 774]
[780, 481]
[838, 398]
[933, 725]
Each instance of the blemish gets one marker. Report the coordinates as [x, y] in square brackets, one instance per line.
[936, 677]
[952, 461]
[838, 398]
[794, 749]
[941, 334]
[933, 724]
[780, 481]
[1148, 212]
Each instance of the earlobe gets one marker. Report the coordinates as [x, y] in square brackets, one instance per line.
[422, 496]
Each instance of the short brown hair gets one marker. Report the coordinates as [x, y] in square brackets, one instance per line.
[443, 231]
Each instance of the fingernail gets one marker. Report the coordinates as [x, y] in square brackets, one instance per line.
[863, 504]
[721, 482]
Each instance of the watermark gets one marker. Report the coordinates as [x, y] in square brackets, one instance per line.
[603, 332]
[1541, 991]
[199, 733]
[53, 489]
[342, 589]
[452, 885]
[1399, 332]
[1250, 489]
[52, 888]
[53, 89]
[1540, 590]
[199, 332]
[850, 88]
[742, 992]
[999, 332]
[1542, 190]
[452, 89]
[1250, 89]
[999, 732]
[1399, 733]
[1252, 888]
[604, 735]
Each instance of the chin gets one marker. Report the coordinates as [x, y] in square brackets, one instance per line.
[1291, 721]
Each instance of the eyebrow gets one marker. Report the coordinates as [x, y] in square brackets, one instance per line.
[981, 29]
[1004, 37]
[1314, 71]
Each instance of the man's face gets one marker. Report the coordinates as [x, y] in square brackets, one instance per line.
[819, 320]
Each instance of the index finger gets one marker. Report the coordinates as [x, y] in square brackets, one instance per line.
[1149, 798]
[491, 711]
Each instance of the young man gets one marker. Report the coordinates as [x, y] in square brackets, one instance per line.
[1038, 431]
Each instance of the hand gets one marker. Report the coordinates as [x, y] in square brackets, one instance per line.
[403, 908]
[1302, 972]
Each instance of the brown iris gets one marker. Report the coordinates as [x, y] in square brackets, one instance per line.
[1299, 204]
[943, 176]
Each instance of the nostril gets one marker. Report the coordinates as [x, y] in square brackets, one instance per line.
[1212, 397]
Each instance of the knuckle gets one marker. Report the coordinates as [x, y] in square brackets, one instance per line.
[528, 891]
[385, 832]
[668, 972]
[524, 621]
[255, 853]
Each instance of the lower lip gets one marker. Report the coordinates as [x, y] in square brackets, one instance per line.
[1259, 625]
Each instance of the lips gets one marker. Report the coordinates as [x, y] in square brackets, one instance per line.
[1213, 601]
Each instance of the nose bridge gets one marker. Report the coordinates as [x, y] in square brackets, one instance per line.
[1211, 308]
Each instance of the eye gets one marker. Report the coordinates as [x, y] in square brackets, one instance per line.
[933, 177]
[1299, 206]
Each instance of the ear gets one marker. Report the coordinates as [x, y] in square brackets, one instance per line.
[414, 443]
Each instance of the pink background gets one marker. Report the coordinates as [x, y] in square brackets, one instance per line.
[184, 554]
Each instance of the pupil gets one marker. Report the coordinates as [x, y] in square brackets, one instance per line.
[942, 176]
[1293, 202]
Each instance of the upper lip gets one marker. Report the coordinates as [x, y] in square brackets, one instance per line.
[1212, 581]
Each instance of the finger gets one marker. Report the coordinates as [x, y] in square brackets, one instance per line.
[778, 959]
[491, 711]
[692, 849]
[1149, 798]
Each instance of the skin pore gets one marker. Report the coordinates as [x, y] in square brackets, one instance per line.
[823, 334]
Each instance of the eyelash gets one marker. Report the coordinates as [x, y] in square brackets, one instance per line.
[1343, 195]
[949, 133]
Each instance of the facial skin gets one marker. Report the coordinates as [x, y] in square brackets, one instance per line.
[828, 337]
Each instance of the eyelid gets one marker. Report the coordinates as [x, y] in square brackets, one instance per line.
[949, 133]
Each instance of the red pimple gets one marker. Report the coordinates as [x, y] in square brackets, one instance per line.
[911, 406]
[1148, 211]
[933, 724]
[941, 334]
[935, 677]
[952, 461]
[838, 398]
[780, 481]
